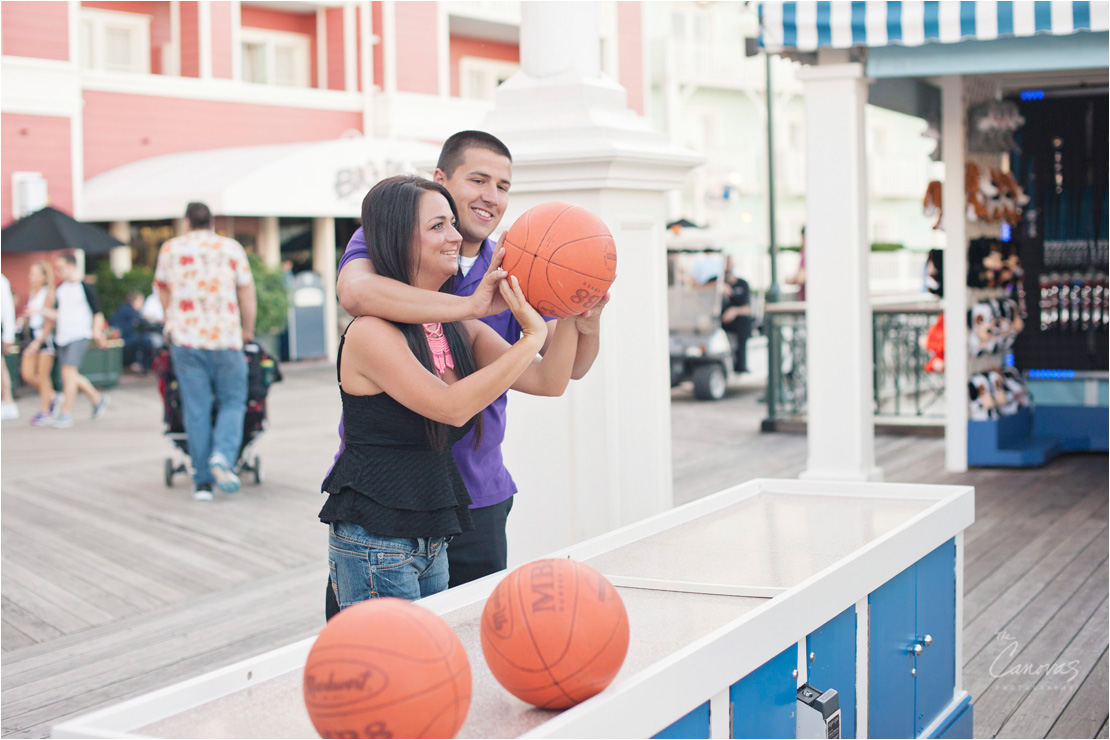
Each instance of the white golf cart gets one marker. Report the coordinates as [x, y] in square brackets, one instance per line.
[700, 348]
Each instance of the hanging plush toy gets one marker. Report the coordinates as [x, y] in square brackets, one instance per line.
[981, 407]
[1004, 401]
[1016, 387]
[980, 335]
[976, 202]
[933, 206]
[934, 345]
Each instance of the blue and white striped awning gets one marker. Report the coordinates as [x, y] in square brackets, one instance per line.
[808, 26]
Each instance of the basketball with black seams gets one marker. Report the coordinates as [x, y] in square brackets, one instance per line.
[554, 633]
[387, 668]
[564, 257]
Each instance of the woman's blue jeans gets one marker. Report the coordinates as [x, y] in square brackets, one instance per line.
[204, 377]
[365, 566]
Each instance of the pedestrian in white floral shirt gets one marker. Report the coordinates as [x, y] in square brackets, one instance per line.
[204, 281]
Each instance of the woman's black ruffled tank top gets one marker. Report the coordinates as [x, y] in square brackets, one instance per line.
[389, 479]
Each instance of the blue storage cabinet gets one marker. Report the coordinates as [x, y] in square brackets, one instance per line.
[912, 637]
[763, 702]
[831, 652]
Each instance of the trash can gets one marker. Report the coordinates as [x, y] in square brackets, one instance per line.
[306, 317]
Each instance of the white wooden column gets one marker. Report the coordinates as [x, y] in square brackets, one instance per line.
[839, 365]
[204, 38]
[953, 198]
[269, 241]
[180, 226]
[323, 263]
[321, 48]
[600, 456]
[119, 259]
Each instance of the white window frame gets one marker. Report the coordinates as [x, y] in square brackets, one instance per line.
[30, 193]
[490, 69]
[97, 22]
[271, 40]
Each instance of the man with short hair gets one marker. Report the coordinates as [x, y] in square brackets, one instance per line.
[207, 292]
[476, 168]
[78, 321]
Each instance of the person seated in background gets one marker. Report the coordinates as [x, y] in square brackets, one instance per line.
[154, 319]
[736, 316]
[138, 352]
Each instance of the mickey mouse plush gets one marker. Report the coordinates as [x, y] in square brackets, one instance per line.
[982, 403]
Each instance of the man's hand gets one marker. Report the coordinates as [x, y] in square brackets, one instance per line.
[589, 323]
[101, 340]
[487, 299]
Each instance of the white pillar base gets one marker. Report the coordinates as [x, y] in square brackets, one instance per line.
[874, 474]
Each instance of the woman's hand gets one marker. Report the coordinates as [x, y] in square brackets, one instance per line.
[589, 322]
[531, 323]
[487, 300]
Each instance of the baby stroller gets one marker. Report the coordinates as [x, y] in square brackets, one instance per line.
[262, 372]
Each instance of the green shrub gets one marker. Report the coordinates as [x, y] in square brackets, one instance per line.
[112, 291]
[273, 302]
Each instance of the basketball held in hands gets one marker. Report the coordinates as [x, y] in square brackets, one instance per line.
[564, 257]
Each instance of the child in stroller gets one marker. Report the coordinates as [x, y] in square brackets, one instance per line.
[262, 371]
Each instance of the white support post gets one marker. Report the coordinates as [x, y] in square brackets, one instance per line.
[77, 117]
[236, 40]
[119, 259]
[600, 457]
[350, 51]
[322, 48]
[840, 386]
[953, 199]
[171, 62]
[204, 33]
[323, 263]
[365, 25]
[269, 241]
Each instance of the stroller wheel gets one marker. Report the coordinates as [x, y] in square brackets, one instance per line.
[256, 466]
[169, 471]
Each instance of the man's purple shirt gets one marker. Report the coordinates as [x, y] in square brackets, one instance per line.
[482, 469]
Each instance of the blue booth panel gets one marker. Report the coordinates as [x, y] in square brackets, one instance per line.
[693, 725]
[890, 705]
[763, 702]
[960, 722]
[833, 647]
[936, 617]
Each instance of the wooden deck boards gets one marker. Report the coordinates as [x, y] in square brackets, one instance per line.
[114, 585]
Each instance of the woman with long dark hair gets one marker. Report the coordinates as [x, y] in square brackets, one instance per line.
[410, 391]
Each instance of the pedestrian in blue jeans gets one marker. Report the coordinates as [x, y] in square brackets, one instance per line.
[206, 288]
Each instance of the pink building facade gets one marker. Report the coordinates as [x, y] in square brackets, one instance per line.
[93, 86]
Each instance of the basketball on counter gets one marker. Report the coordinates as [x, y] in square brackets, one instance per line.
[564, 257]
[387, 668]
[554, 633]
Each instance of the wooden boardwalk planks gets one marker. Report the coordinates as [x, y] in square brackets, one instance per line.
[114, 585]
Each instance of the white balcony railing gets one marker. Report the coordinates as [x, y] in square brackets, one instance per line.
[897, 176]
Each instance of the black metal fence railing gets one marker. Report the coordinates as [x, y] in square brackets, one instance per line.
[902, 388]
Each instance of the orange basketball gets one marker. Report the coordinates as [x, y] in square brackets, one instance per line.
[563, 256]
[554, 633]
[387, 668]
